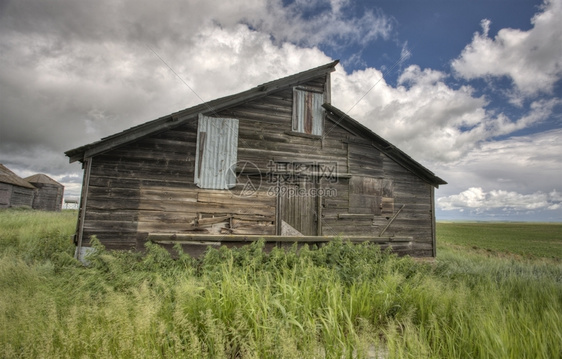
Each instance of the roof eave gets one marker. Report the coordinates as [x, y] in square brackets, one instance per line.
[384, 146]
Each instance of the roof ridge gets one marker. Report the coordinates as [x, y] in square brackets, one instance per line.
[40, 178]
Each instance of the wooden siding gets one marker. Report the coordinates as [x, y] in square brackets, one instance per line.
[5, 195]
[48, 197]
[377, 189]
[148, 186]
[15, 196]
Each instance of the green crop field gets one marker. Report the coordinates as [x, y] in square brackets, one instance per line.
[338, 301]
[526, 239]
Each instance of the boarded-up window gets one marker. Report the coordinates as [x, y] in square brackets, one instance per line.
[216, 153]
[368, 195]
[307, 112]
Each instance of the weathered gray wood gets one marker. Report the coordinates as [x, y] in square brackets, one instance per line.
[180, 237]
[392, 220]
[355, 216]
[433, 226]
[146, 186]
[83, 207]
[176, 119]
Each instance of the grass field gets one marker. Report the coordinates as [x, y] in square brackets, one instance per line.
[526, 239]
[339, 301]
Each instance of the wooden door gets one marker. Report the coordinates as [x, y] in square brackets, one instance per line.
[298, 205]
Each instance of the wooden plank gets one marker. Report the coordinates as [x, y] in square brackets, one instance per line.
[254, 217]
[170, 227]
[104, 215]
[355, 216]
[210, 208]
[213, 220]
[365, 185]
[169, 194]
[179, 237]
[227, 198]
[364, 204]
[245, 114]
[250, 230]
[83, 207]
[433, 232]
[392, 220]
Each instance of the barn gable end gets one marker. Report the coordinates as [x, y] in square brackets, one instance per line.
[301, 166]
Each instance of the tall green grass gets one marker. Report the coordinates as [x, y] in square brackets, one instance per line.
[36, 234]
[338, 301]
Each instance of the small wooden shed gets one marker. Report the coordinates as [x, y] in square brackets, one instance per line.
[277, 162]
[14, 190]
[48, 193]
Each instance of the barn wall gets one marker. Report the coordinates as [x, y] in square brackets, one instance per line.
[377, 189]
[148, 186]
[15, 196]
[416, 217]
[265, 133]
[267, 142]
[47, 197]
[5, 195]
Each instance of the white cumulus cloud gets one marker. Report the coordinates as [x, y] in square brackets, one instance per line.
[73, 72]
[425, 116]
[531, 59]
[477, 198]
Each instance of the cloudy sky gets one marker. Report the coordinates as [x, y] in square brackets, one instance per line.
[471, 89]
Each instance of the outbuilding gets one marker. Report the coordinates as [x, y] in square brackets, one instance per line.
[48, 193]
[14, 190]
[277, 162]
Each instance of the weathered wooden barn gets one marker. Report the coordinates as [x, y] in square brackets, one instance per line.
[48, 193]
[277, 162]
[14, 190]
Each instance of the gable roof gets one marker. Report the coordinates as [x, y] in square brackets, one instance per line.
[9, 177]
[41, 178]
[337, 116]
[207, 108]
[341, 119]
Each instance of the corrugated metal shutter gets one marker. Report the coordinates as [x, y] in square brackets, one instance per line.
[217, 147]
[307, 112]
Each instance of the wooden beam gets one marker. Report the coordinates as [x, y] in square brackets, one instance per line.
[83, 206]
[213, 220]
[171, 238]
[355, 216]
[433, 229]
[391, 220]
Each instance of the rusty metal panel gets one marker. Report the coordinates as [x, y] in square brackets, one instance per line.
[308, 112]
[216, 153]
